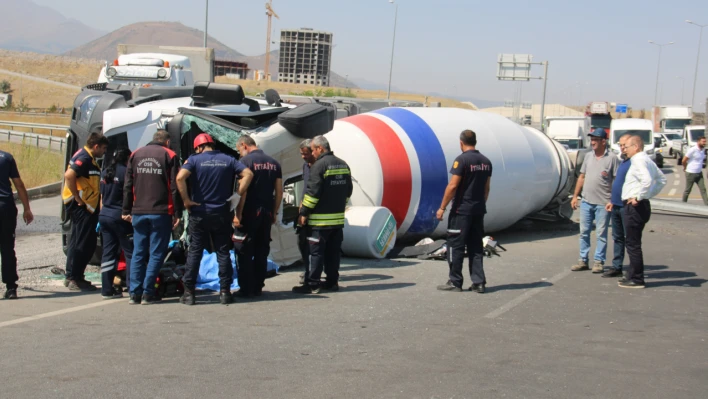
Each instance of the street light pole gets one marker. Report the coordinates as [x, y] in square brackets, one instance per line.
[658, 67]
[393, 46]
[206, 22]
[698, 56]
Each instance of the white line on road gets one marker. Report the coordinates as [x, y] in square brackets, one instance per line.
[672, 192]
[677, 182]
[525, 296]
[59, 312]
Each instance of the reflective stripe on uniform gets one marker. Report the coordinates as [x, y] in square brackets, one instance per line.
[312, 239]
[326, 216]
[107, 266]
[334, 172]
[320, 223]
[454, 231]
[310, 201]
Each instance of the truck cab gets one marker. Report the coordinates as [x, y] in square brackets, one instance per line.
[634, 127]
[147, 70]
[690, 135]
[570, 131]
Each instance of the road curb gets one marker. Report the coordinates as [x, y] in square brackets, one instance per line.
[41, 191]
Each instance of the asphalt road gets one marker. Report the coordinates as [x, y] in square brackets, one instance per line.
[676, 183]
[539, 332]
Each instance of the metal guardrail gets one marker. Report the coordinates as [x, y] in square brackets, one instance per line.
[11, 125]
[39, 140]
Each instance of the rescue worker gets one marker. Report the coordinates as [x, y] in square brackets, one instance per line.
[328, 190]
[644, 180]
[152, 204]
[256, 213]
[469, 187]
[81, 201]
[116, 233]
[8, 220]
[211, 175]
[302, 231]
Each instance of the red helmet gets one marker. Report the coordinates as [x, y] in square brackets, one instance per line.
[202, 138]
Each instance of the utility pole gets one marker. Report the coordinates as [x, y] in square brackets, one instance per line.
[393, 46]
[206, 22]
[543, 102]
[658, 68]
[698, 57]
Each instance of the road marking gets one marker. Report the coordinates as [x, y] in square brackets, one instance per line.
[525, 296]
[672, 192]
[677, 182]
[58, 312]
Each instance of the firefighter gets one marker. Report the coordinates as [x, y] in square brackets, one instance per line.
[8, 221]
[211, 175]
[255, 215]
[322, 210]
[116, 233]
[81, 200]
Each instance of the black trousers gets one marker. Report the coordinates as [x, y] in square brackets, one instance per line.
[635, 218]
[325, 254]
[8, 224]
[209, 231]
[465, 231]
[252, 244]
[82, 243]
[116, 235]
[304, 246]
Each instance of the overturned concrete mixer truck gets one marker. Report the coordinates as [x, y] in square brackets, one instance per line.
[399, 157]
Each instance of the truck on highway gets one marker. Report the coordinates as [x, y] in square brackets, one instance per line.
[671, 118]
[635, 127]
[599, 114]
[148, 69]
[571, 131]
[690, 135]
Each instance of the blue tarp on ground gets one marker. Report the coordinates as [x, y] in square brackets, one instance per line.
[209, 272]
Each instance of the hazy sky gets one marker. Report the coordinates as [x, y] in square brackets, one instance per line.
[596, 53]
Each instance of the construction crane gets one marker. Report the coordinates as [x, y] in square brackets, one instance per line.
[270, 13]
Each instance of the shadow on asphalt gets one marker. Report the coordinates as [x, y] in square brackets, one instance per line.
[376, 287]
[691, 282]
[364, 277]
[523, 286]
[663, 274]
[61, 294]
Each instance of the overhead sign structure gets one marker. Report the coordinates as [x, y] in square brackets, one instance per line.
[621, 108]
[514, 67]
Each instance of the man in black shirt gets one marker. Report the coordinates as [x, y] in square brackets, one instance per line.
[469, 186]
[8, 220]
[255, 215]
[303, 231]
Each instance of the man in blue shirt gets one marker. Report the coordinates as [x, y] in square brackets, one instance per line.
[8, 220]
[211, 175]
[615, 207]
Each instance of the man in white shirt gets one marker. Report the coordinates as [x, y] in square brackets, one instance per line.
[644, 180]
[693, 165]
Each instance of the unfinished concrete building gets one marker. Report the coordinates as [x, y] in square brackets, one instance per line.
[305, 56]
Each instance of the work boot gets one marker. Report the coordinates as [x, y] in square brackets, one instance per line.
[630, 284]
[449, 286]
[331, 287]
[612, 272]
[150, 299]
[188, 297]
[114, 294]
[307, 289]
[598, 267]
[582, 265]
[478, 288]
[225, 297]
[134, 299]
[11, 293]
[81, 285]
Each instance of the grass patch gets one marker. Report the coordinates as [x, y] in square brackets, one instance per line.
[37, 166]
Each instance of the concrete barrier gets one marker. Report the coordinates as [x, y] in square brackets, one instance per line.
[42, 191]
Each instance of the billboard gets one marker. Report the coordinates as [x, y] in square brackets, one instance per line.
[516, 67]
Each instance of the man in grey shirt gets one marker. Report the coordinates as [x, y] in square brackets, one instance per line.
[596, 176]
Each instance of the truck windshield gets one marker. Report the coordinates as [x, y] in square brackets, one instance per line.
[677, 123]
[602, 121]
[672, 136]
[696, 133]
[644, 134]
[572, 144]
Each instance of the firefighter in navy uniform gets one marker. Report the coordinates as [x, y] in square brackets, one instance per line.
[81, 196]
[256, 213]
[469, 186]
[211, 175]
[322, 210]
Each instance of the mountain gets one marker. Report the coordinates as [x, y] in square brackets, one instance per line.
[162, 33]
[258, 62]
[27, 26]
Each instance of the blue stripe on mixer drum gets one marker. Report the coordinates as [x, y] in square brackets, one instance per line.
[433, 168]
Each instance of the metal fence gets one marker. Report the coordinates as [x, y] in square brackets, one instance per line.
[50, 143]
[33, 127]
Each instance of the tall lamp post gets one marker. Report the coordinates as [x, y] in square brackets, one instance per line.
[658, 67]
[393, 46]
[698, 56]
[206, 22]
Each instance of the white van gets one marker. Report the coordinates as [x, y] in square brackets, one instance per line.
[636, 127]
[691, 134]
